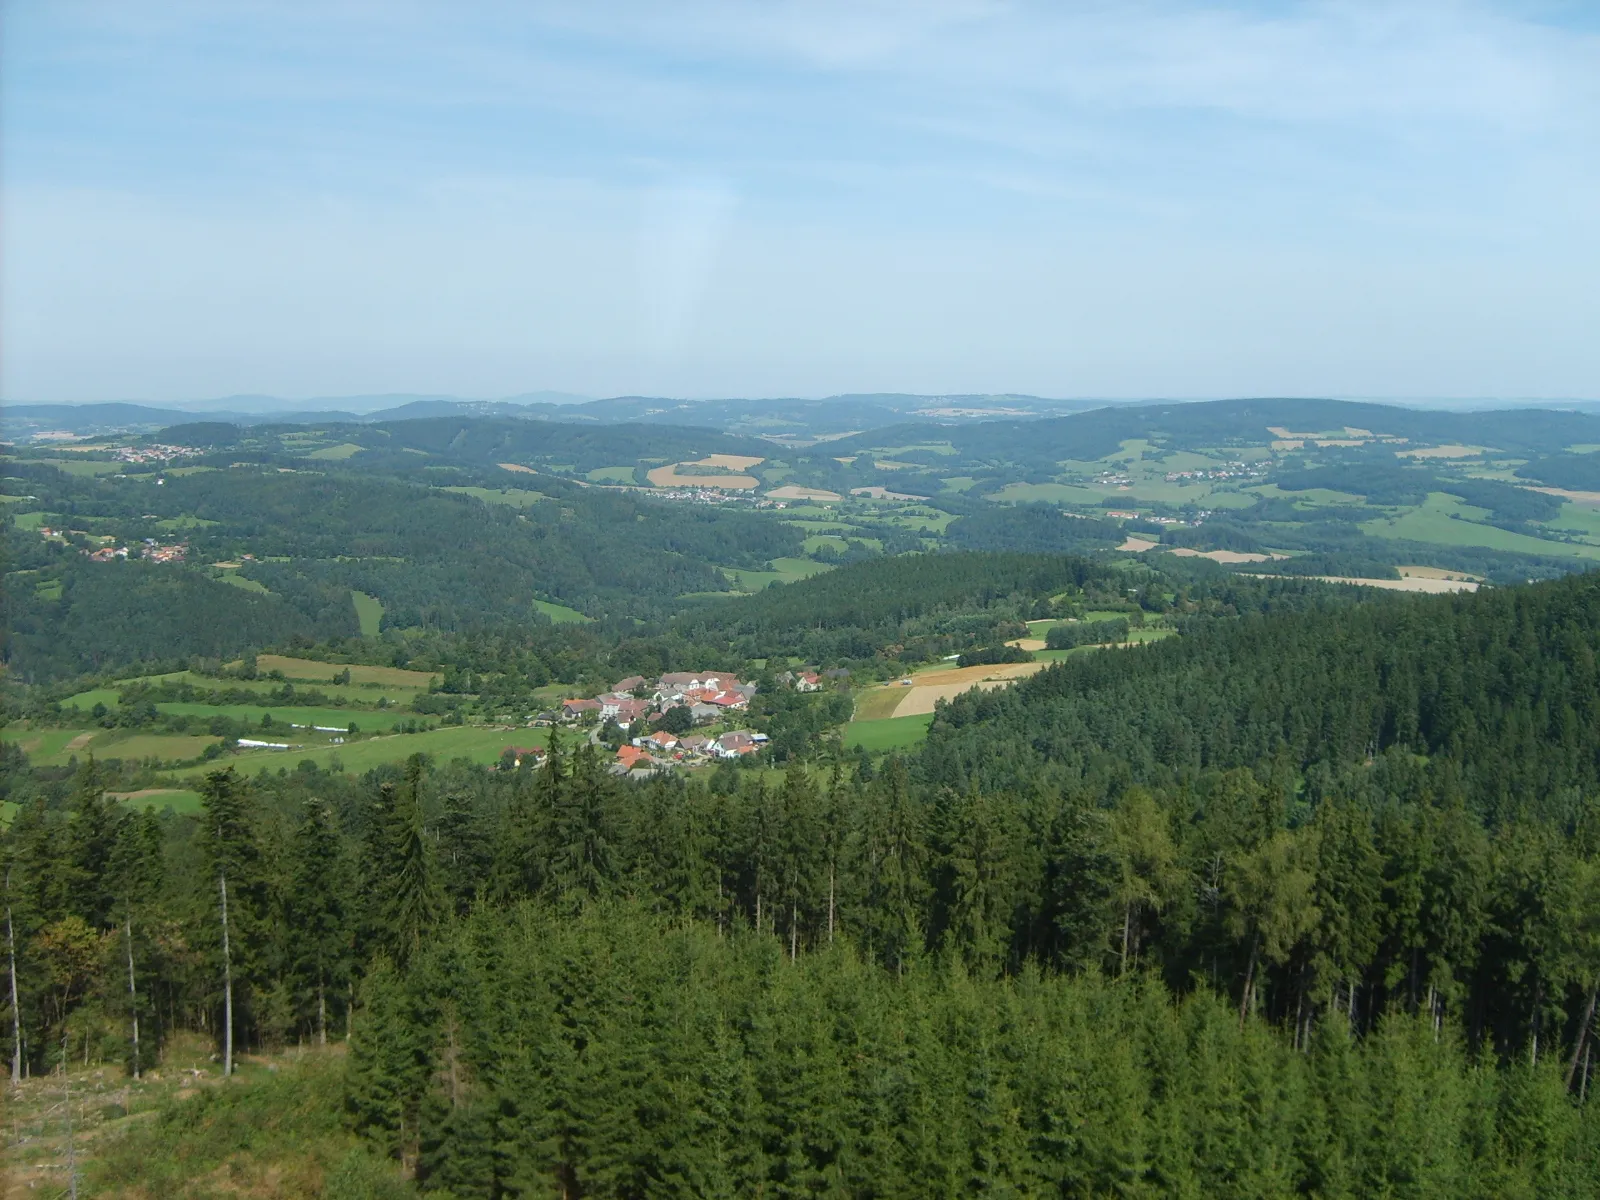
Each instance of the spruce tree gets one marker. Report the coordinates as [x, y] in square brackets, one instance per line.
[228, 836]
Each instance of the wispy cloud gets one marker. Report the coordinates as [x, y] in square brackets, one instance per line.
[718, 196]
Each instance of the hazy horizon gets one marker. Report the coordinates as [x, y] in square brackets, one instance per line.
[706, 200]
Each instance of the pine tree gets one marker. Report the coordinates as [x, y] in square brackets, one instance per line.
[414, 902]
[318, 909]
[229, 838]
[134, 874]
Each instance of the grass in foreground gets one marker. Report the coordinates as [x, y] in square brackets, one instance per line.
[275, 1130]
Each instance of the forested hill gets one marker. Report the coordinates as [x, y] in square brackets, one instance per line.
[1494, 696]
[434, 558]
[1095, 434]
[927, 605]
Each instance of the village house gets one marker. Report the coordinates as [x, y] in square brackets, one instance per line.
[738, 743]
[532, 755]
[572, 710]
[807, 681]
[630, 712]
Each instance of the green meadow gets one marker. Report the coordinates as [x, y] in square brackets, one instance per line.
[476, 743]
[889, 733]
[516, 497]
[336, 453]
[560, 614]
[369, 611]
[179, 800]
[1446, 521]
[286, 715]
[784, 570]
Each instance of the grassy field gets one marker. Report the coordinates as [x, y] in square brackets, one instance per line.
[818, 540]
[1581, 519]
[239, 581]
[822, 526]
[179, 800]
[1054, 493]
[368, 611]
[560, 613]
[286, 715]
[87, 700]
[337, 453]
[610, 475]
[41, 744]
[785, 570]
[892, 733]
[304, 668]
[516, 497]
[87, 468]
[1446, 521]
[57, 746]
[365, 696]
[477, 743]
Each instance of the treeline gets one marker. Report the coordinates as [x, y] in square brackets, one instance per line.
[912, 608]
[1086, 633]
[946, 985]
[919, 608]
[623, 1054]
[1033, 529]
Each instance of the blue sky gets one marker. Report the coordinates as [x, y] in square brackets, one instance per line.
[1072, 199]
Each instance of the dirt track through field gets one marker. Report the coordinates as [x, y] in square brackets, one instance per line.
[946, 685]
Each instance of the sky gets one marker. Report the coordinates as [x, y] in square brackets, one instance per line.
[1078, 199]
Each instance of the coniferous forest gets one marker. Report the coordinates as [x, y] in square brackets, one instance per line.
[1302, 901]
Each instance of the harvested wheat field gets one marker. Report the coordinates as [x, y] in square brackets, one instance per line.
[1437, 573]
[731, 462]
[1224, 556]
[792, 492]
[668, 477]
[920, 698]
[1441, 452]
[1412, 583]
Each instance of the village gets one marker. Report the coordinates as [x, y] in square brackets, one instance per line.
[655, 722]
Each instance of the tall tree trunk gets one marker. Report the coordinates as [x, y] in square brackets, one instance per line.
[322, 1011]
[1127, 921]
[227, 982]
[794, 932]
[1583, 1034]
[1249, 981]
[133, 993]
[16, 1012]
[1533, 1024]
[830, 902]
